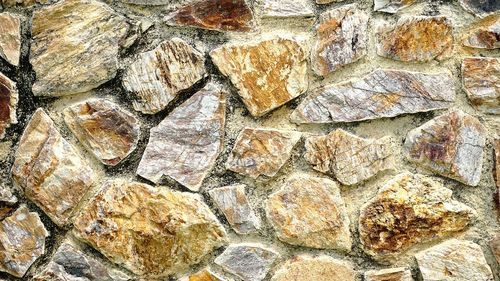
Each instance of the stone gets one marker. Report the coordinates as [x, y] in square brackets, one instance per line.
[49, 170]
[233, 203]
[310, 268]
[416, 39]
[203, 275]
[22, 3]
[157, 77]
[10, 38]
[380, 94]
[9, 98]
[391, 6]
[410, 209]
[484, 34]
[267, 73]
[327, 1]
[481, 81]
[185, 145]
[107, 131]
[495, 247]
[349, 158]
[454, 260]
[451, 145]
[147, 2]
[481, 7]
[496, 167]
[250, 262]
[259, 152]
[287, 8]
[7, 195]
[341, 39]
[309, 211]
[389, 274]
[22, 241]
[151, 231]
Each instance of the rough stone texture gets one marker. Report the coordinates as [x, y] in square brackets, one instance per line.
[152, 231]
[287, 8]
[480, 7]
[147, 2]
[327, 1]
[8, 103]
[267, 73]
[349, 158]
[389, 274]
[484, 34]
[185, 145]
[49, 170]
[157, 77]
[391, 6]
[203, 275]
[10, 38]
[6, 195]
[309, 268]
[309, 211]
[450, 145]
[495, 247]
[382, 93]
[22, 3]
[496, 167]
[481, 81]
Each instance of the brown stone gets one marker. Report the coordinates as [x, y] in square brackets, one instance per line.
[391, 6]
[310, 268]
[10, 38]
[8, 103]
[389, 274]
[495, 247]
[484, 34]
[203, 275]
[481, 7]
[481, 81]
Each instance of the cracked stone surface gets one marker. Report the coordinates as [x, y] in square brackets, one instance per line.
[10, 38]
[389, 274]
[484, 34]
[312, 268]
[9, 98]
[391, 6]
[287, 8]
[481, 7]
[481, 81]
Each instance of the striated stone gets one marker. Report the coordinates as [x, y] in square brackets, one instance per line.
[380, 94]
[49, 170]
[389, 274]
[106, 130]
[481, 81]
[185, 145]
[8, 103]
[10, 38]
[287, 8]
[309, 211]
[480, 7]
[267, 74]
[157, 77]
[151, 231]
[310, 268]
[450, 145]
[203, 275]
[349, 158]
[258, 152]
[485, 34]
[23, 3]
[495, 247]
[391, 6]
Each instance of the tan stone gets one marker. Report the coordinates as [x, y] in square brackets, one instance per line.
[495, 247]
[391, 6]
[310, 268]
[8, 103]
[481, 81]
[327, 1]
[389, 274]
[484, 34]
[23, 3]
[496, 167]
[10, 38]
[203, 275]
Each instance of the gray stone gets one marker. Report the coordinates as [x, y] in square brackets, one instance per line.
[287, 8]
[481, 81]
[391, 6]
[481, 7]
[10, 38]
[9, 98]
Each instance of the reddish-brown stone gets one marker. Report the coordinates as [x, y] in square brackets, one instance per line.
[484, 34]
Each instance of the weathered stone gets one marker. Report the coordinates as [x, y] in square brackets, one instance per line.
[341, 39]
[287, 8]
[327, 1]
[481, 7]
[309, 211]
[417, 39]
[410, 209]
[391, 6]
[7, 196]
[152, 231]
[49, 170]
[485, 34]
[349, 158]
[481, 81]
[496, 167]
[309, 268]
[267, 74]
[106, 130]
[185, 145]
[389, 274]
[454, 260]
[158, 76]
[450, 145]
[148, 2]
[258, 152]
[203, 275]
[382, 93]
[8, 103]
[495, 247]
[23, 3]
[10, 38]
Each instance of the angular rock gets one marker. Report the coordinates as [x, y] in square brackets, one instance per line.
[481, 7]
[23, 3]
[8, 103]
[309, 211]
[481, 81]
[258, 152]
[450, 145]
[495, 247]
[49, 170]
[309, 268]
[287, 8]
[389, 274]
[203, 275]
[158, 76]
[185, 145]
[267, 73]
[485, 34]
[391, 6]
[10, 38]
[151, 231]
[349, 158]
[380, 94]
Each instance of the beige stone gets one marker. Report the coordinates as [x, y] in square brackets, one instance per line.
[481, 81]
[389, 274]
[484, 34]
[22, 3]
[9, 98]
[10, 38]
[314, 268]
[391, 6]
[287, 8]
[495, 247]
[496, 167]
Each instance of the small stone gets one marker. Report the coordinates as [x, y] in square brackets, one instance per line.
[267, 73]
[485, 34]
[287, 8]
[309, 268]
[480, 7]
[8, 103]
[258, 152]
[391, 6]
[382, 93]
[22, 3]
[185, 145]
[204, 275]
[157, 77]
[309, 211]
[10, 38]
[450, 145]
[151, 231]
[454, 260]
[389, 274]
[481, 81]
[49, 170]
[495, 247]
[104, 129]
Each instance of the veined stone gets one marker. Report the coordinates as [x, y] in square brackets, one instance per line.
[391, 6]
[287, 8]
[10, 38]
[485, 34]
[258, 152]
[309, 211]
[267, 74]
[158, 76]
[349, 158]
[380, 94]
[106, 130]
[49, 170]
[481, 81]
[481, 7]
[495, 247]
[8, 103]
[203, 275]
[151, 231]
[309, 268]
[23, 3]
[389, 274]
[450, 145]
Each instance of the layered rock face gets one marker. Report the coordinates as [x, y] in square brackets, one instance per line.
[309, 268]
[8, 103]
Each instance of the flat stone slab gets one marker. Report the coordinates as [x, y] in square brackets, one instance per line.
[391, 6]
[10, 38]
[481, 81]
[389, 274]
[9, 98]
[484, 34]
[286, 8]
[313, 268]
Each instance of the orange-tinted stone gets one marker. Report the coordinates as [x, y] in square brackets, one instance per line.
[484, 34]
[481, 81]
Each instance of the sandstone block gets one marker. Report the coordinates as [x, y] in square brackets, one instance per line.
[309, 268]
[481, 81]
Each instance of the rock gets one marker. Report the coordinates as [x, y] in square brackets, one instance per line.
[258, 152]
[10, 38]
[7, 196]
[185, 145]
[495, 247]
[267, 74]
[327, 1]
[49, 170]
[309, 211]
[410, 209]
[482, 7]
[454, 260]
[23, 3]
[481, 81]
[287, 8]
[341, 39]
[349, 158]
[148, 2]
[203, 275]
[416, 39]
[391, 6]
[8, 103]
[309, 268]
[22, 241]
[104, 129]
[485, 34]
[496, 167]
[389, 274]
[151, 231]
[157, 77]
[450, 145]
[380, 94]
